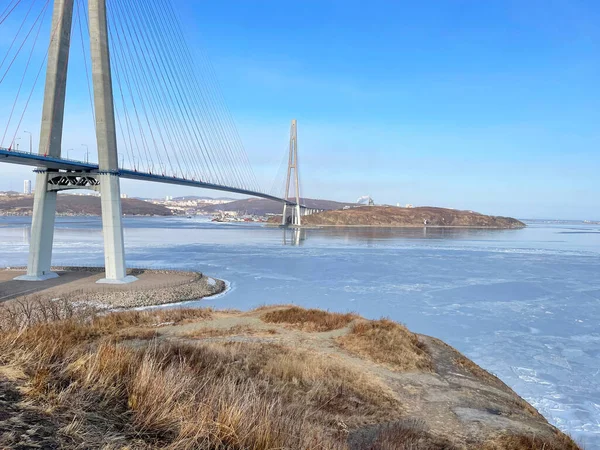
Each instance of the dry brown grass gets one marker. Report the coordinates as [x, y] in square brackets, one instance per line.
[560, 441]
[209, 332]
[309, 319]
[165, 395]
[388, 343]
[135, 334]
[236, 330]
[32, 311]
[98, 391]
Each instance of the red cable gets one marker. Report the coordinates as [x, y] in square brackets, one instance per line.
[17, 34]
[36, 78]
[24, 41]
[10, 12]
[6, 9]
[87, 72]
[23, 77]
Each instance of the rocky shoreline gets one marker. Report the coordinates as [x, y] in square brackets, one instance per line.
[201, 287]
[153, 288]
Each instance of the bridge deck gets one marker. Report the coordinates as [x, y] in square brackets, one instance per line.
[49, 162]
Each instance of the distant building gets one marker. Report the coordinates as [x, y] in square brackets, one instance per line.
[169, 198]
[124, 196]
[409, 206]
[27, 187]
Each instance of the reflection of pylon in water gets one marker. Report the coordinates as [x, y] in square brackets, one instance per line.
[296, 237]
[292, 164]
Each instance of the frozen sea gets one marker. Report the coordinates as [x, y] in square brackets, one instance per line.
[524, 304]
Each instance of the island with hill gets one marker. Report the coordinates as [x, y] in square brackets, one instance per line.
[392, 216]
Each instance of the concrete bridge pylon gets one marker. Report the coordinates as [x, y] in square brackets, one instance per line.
[44, 210]
[293, 166]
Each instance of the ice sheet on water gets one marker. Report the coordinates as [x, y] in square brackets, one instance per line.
[521, 303]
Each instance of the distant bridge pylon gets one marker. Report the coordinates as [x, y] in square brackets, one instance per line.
[293, 168]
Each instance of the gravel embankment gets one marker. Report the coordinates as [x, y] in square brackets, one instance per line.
[200, 287]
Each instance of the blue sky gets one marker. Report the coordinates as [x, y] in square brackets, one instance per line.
[491, 106]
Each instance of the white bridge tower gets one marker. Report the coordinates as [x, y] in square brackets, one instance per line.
[106, 180]
[293, 165]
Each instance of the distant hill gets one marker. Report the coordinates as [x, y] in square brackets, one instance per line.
[392, 216]
[260, 206]
[81, 205]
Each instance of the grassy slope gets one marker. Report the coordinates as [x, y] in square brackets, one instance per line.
[197, 379]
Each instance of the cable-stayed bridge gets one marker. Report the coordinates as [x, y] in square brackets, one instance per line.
[156, 116]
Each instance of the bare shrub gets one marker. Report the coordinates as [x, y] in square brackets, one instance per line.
[309, 319]
[389, 343]
[559, 441]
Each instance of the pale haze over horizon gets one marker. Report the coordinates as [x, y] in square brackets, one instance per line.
[487, 106]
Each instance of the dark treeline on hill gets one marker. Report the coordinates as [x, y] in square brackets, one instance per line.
[81, 205]
[259, 206]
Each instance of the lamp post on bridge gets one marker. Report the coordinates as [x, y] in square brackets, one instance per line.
[87, 152]
[30, 141]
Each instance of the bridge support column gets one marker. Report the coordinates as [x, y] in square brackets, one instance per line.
[42, 232]
[110, 190]
[112, 230]
[293, 165]
[44, 206]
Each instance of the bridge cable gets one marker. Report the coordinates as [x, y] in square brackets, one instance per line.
[204, 101]
[84, 54]
[184, 84]
[25, 41]
[2, 19]
[35, 81]
[151, 101]
[173, 132]
[162, 80]
[17, 34]
[153, 83]
[213, 91]
[191, 113]
[226, 116]
[184, 57]
[127, 82]
[42, 14]
[135, 79]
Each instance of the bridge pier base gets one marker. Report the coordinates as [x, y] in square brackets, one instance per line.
[112, 229]
[42, 232]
